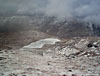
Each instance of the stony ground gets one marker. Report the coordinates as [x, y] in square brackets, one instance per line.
[71, 57]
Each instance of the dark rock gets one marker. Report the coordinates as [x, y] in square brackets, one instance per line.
[48, 63]
[13, 74]
[2, 58]
[90, 45]
[29, 69]
[23, 75]
[74, 75]
[2, 74]
[1, 51]
[64, 75]
[70, 70]
[96, 46]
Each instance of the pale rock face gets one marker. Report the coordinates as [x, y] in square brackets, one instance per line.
[82, 43]
[70, 41]
[68, 51]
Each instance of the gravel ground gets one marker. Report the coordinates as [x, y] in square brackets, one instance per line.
[66, 58]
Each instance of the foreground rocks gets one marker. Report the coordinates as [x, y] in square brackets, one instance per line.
[70, 57]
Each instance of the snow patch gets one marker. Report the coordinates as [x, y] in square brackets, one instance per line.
[42, 42]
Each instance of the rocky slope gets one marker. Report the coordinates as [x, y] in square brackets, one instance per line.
[62, 28]
[70, 57]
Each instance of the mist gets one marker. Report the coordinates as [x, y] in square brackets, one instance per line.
[22, 6]
[86, 10]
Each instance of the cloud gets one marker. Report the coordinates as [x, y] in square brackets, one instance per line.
[21, 6]
[87, 10]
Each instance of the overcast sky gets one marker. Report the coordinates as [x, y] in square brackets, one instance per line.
[87, 9]
[21, 6]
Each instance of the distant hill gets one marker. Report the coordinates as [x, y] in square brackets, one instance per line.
[51, 25]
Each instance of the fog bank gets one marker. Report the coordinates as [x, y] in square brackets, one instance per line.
[87, 10]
